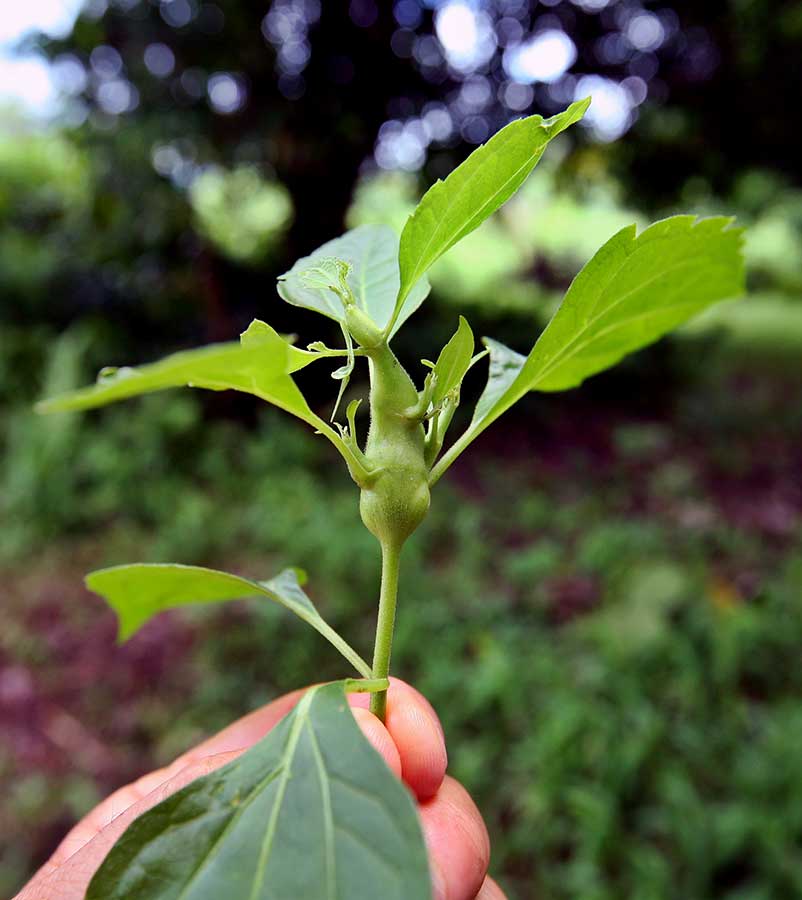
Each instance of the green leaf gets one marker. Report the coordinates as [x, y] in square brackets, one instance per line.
[310, 812]
[505, 366]
[138, 592]
[452, 208]
[260, 334]
[260, 365]
[632, 292]
[452, 363]
[371, 252]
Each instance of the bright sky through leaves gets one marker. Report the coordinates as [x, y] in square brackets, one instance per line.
[27, 79]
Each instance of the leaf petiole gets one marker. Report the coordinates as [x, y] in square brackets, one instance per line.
[321, 351]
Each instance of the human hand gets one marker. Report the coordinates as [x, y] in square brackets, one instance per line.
[411, 743]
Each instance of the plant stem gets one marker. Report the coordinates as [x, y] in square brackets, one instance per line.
[391, 553]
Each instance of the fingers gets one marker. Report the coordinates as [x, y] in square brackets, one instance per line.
[459, 847]
[234, 739]
[418, 735]
[379, 736]
[411, 743]
[490, 891]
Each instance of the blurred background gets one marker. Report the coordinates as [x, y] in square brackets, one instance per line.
[604, 604]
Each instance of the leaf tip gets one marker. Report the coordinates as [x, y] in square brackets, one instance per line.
[256, 334]
[581, 106]
[569, 116]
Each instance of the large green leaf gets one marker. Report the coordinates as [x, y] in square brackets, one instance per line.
[259, 365]
[372, 254]
[138, 592]
[453, 362]
[311, 812]
[632, 292]
[452, 208]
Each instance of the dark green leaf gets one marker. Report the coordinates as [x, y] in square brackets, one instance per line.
[311, 812]
[452, 208]
[138, 592]
[371, 252]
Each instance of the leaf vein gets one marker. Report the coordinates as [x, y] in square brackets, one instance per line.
[328, 823]
[285, 768]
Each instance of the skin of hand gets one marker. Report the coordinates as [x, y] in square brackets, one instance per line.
[412, 744]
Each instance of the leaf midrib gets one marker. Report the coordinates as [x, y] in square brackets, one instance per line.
[258, 788]
[328, 819]
[285, 769]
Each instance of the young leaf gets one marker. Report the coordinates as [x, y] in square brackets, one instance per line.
[260, 334]
[371, 252]
[310, 812]
[452, 208]
[632, 292]
[138, 592]
[258, 365]
[453, 362]
[343, 374]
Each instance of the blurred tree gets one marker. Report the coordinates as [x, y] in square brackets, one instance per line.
[163, 91]
[44, 200]
[240, 212]
[309, 93]
[313, 97]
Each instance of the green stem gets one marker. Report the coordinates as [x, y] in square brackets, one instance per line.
[391, 554]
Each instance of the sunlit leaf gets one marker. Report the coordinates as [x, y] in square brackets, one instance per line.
[453, 362]
[259, 365]
[452, 208]
[140, 591]
[371, 252]
[311, 812]
[260, 334]
[632, 292]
